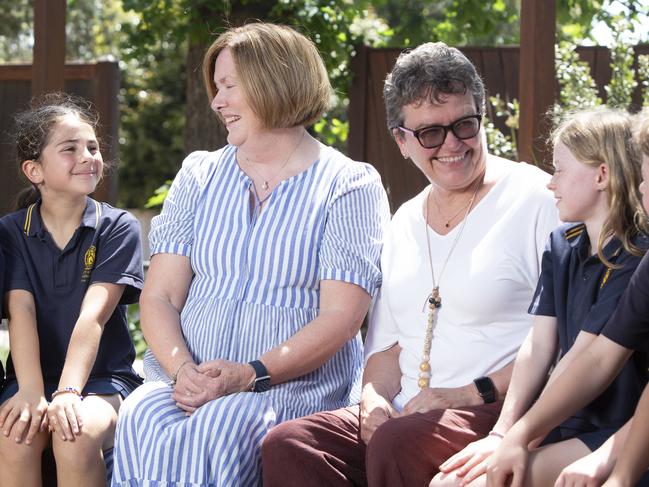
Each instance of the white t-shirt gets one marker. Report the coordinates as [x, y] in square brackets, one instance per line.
[486, 288]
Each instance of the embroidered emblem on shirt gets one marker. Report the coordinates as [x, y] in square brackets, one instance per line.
[88, 262]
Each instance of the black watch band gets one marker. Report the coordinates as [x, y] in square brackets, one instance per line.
[486, 389]
[262, 379]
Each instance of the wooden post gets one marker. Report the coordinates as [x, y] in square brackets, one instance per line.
[107, 81]
[536, 79]
[49, 46]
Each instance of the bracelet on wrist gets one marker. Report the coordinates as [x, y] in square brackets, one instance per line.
[67, 390]
[496, 434]
[174, 376]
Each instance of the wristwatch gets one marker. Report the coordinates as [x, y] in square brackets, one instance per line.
[262, 379]
[486, 389]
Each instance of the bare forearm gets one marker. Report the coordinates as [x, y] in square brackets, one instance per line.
[634, 437]
[25, 355]
[23, 340]
[96, 309]
[81, 355]
[590, 374]
[382, 374]
[160, 322]
[530, 370]
[310, 347]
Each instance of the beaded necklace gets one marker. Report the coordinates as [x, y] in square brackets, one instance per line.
[434, 299]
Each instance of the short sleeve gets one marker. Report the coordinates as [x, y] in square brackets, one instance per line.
[119, 257]
[353, 234]
[612, 287]
[382, 332]
[629, 324]
[15, 276]
[543, 301]
[172, 231]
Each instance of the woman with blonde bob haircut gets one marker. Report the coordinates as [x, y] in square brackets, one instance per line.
[265, 259]
[280, 95]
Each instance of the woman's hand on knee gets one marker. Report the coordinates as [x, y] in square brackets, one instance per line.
[22, 415]
[374, 411]
[471, 462]
[64, 415]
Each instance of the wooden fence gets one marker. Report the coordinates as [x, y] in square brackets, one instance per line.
[98, 82]
[369, 139]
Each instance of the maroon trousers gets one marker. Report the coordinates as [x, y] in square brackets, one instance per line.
[325, 449]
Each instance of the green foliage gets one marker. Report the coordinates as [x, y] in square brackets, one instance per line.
[133, 318]
[159, 195]
[500, 144]
[620, 89]
[643, 76]
[577, 89]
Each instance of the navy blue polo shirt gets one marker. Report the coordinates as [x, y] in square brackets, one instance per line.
[104, 248]
[629, 325]
[582, 293]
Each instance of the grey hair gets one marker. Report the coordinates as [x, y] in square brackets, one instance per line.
[430, 71]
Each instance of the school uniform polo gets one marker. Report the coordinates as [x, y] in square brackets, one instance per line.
[629, 325]
[582, 293]
[105, 248]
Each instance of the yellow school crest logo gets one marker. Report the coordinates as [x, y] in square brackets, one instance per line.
[88, 262]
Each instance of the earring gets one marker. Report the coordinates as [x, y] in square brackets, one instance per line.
[405, 156]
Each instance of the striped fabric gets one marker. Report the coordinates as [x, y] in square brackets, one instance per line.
[256, 284]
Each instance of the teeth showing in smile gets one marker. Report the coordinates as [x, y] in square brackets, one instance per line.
[447, 160]
[231, 118]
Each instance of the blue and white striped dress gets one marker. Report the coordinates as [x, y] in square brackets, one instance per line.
[256, 283]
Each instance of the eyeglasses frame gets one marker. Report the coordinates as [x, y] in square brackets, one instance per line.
[447, 128]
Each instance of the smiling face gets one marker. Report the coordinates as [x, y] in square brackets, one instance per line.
[456, 163]
[577, 187]
[230, 102]
[70, 162]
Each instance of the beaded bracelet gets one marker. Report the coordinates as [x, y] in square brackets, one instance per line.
[66, 390]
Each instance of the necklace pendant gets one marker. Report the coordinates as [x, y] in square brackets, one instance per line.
[265, 186]
[434, 300]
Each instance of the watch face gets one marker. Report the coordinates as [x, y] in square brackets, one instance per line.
[484, 385]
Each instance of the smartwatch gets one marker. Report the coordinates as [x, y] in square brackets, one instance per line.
[262, 377]
[486, 389]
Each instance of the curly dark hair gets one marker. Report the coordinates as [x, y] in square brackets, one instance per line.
[33, 128]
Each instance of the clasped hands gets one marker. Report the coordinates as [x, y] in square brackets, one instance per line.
[375, 409]
[198, 384]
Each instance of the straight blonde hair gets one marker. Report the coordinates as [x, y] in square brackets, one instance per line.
[281, 73]
[605, 136]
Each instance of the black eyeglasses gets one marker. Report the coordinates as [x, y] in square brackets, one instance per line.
[435, 135]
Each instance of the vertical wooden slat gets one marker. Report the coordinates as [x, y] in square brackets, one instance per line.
[107, 81]
[536, 78]
[49, 46]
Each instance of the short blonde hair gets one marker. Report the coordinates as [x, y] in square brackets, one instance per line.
[281, 73]
[604, 135]
[641, 132]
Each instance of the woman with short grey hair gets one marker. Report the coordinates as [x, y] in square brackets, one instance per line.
[460, 264]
